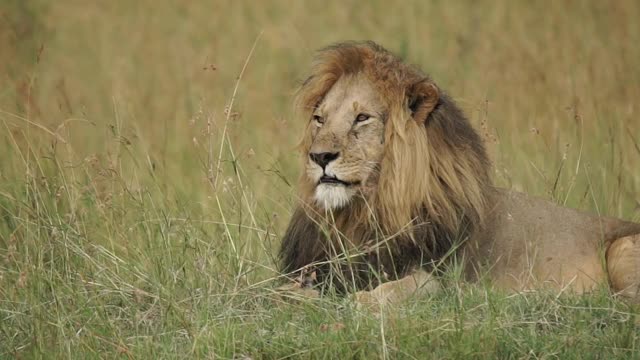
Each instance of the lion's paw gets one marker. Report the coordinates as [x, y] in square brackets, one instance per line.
[295, 291]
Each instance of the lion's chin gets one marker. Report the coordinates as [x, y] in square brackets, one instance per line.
[333, 196]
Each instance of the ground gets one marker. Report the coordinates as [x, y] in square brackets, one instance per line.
[148, 169]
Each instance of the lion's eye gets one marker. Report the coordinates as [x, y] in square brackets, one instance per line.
[319, 119]
[362, 117]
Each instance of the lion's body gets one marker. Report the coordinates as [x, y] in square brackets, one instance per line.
[530, 243]
[396, 181]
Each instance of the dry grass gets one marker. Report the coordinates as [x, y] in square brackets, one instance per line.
[144, 184]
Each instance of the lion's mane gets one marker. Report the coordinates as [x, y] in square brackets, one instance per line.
[431, 183]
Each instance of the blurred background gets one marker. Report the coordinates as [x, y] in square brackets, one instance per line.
[148, 147]
[549, 83]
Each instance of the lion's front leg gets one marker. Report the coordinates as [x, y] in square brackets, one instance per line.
[294, 290]
[393, 292]
[302, 287]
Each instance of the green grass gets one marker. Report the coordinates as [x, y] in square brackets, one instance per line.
[144, 185]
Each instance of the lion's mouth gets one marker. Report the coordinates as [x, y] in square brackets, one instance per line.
[332, 180]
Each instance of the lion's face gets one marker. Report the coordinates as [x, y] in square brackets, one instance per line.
[347, 142]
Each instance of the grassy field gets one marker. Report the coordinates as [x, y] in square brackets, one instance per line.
[148, 169]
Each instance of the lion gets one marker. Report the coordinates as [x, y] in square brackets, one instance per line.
[396, 185]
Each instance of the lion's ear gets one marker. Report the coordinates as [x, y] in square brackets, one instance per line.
[422, 99]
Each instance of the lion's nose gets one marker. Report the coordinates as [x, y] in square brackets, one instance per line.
[324, 158]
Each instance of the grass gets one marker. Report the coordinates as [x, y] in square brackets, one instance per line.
[148, 165]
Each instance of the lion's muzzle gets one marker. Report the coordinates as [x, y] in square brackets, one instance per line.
[323, 158]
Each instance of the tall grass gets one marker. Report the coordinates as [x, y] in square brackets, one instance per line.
[148, 168]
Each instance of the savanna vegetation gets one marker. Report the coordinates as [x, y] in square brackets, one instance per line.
[148, 167]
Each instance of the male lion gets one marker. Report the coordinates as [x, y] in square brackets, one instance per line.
[396, 181]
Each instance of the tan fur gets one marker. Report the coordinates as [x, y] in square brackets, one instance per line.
[624, 266]
[419, 283]
[416, 181]
[531, 243]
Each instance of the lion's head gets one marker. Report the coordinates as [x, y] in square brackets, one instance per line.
[384, 149]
